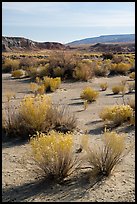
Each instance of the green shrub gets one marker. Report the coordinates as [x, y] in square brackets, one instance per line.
[54, 154]
[89, 94]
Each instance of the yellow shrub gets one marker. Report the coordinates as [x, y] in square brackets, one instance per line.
[117, 114]
[33, 110]
[119, 88]
[51, 84]
[10, 65]
[89, 94]
[43, 70]
[103, 86]
[54, 154]
[41, 89]
[83, 72]
[37, 114]
[104, 156]
[46, 82]
[32, 72]
[55, 83]
[17, 73]
[33, 87]
[120, 68]
[132, 75]
[102, 68]
[37, 80]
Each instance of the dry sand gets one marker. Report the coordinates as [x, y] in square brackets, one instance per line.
[20, 183]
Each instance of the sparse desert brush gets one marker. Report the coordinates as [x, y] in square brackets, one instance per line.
[38, 80]
[55, 83]
[33, 111]
[116, 114]
[66, 60]
[43, 70]
[58, 72]
[120, 68]
[32, 72]
[10, 65]
[17, 73]
[132, 75]
[41, 89]
[107, 56]
[10, 95]
[118, 59]
[54, 154]
[104, 86]
[102, 69]
[131, 87]
[61, 119]
[51, 84]
[37, 114]
[27, 62]
[106, 155]
[119, 88]
[123, 82]
[83, 72]
[89, 94]
[34, 87]
[123, 89]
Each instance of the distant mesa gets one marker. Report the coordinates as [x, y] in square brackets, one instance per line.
[22, 44]
[106, 43]
[121, 38]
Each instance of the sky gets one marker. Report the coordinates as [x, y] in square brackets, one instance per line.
[66, 21]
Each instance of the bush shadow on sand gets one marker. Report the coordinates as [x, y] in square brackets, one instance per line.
[72, 189]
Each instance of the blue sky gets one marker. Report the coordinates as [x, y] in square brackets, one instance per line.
[67, 21]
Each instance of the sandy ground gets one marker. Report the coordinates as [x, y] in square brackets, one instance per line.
[20, 183]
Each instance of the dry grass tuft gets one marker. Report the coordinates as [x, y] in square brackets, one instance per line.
[106, 155]
[60, 119]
